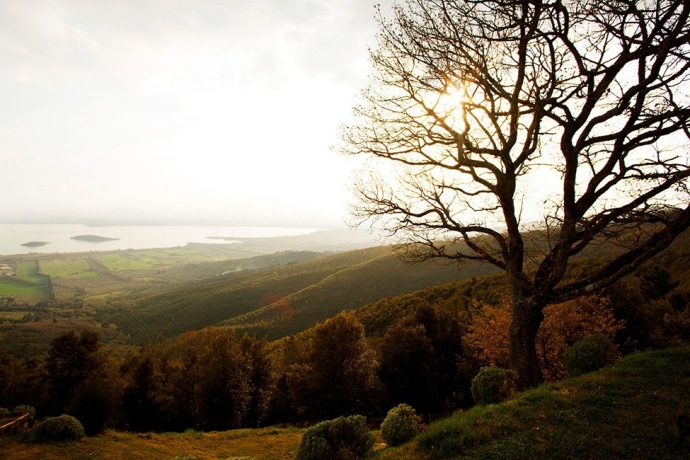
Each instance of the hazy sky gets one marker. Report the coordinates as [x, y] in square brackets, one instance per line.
[187, 108]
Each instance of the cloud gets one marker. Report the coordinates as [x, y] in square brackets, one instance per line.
[179, 104]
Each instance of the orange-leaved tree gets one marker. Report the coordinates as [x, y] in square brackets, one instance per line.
[564, 324]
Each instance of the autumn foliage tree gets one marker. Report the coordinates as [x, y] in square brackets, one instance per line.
[564, 325]
[489, 123]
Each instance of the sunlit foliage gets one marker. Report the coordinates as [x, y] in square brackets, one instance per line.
[564, 324]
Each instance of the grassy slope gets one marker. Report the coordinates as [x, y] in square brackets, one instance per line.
[627, 410]
[376, 317]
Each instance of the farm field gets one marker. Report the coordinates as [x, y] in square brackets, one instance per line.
[124, 262]
[27, 286]
[13, 315]
[97, 275]
[66, 268]
[81, 284]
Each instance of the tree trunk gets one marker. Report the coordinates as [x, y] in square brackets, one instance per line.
[527, 318]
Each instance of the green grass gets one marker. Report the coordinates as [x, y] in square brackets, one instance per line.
[27, 270]
[125, 261]
[27, 286]
[66, 268]
[19, 290]
[627, 410]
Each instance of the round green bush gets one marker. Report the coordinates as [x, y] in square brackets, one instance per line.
[493, 385]
[400, 425]
[62, 428]
[343, 438]
[590, 354]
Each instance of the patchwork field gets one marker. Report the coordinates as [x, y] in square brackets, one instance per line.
[27, 286]
[102, 275]
[85, 285]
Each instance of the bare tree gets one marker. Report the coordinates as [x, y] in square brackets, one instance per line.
[487, 120]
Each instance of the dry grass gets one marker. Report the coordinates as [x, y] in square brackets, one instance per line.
[260, 444]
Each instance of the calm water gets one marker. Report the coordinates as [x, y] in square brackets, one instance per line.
[12, 236]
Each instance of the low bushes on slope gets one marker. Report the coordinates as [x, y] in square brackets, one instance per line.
[627, 410]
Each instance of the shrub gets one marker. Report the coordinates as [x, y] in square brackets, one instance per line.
[590, 354]
[493, 385]
[401, 425]
[343, 438]
[62, 428]
[21, 410]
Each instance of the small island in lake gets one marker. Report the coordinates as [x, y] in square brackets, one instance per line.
[93, 238]
[35, 244]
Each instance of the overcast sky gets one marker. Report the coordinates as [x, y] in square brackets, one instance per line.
[219, 109]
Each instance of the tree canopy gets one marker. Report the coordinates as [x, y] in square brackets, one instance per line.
[521, 133]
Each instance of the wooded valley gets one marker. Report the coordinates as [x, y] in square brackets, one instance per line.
[148, 343]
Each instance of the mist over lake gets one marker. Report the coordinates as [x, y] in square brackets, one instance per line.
[59, 236]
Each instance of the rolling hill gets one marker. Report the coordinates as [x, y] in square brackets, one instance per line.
[348, 289]
[261, 297]
[281, 300]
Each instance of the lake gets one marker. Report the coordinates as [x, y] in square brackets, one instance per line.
[12, 236]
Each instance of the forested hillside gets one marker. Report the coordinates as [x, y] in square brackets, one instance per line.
[281, 300]
[348, 289]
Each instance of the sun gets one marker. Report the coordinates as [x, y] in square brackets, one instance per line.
[452, 103]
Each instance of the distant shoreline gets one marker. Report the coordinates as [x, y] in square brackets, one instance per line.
[63, 238]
